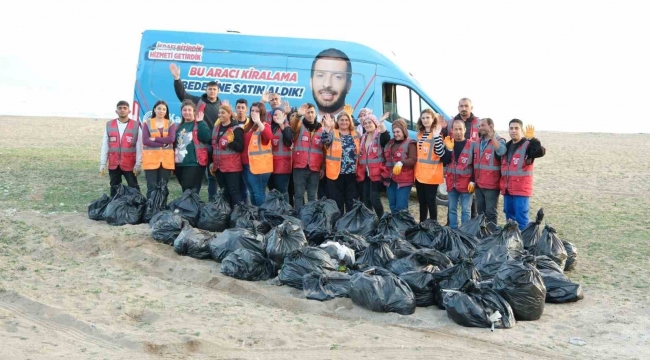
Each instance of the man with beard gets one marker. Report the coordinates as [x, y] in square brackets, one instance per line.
[330, 82]
[487, 170]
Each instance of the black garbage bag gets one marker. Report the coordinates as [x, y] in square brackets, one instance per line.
[255, 226]
[339, 252]
[459, 245]
[550, 245]
[422, 235]
[559, 288]
[188, 205]
[380, 290]
[126, 207]
[355, 242]
[304, 261]
[419, 260]
[531, 233]
[395, 224]
[422, 283]
[283, 240]
[156, 200]
[453, 278]
[215, 215]
[326, 285]
[321, 222]
[476, 227]
[232, 239]
[378, 252]
[96, 208]
[572, 255]
[273, 219]
[244, 211]
[521, 284]
[250, 265]
[476, 306]
[503, 245]
[276, 203]
[194, 243]
[359, 220]
[328, 206]
[401, 248]
[166, 225]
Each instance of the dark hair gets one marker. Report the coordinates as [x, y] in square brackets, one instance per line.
[187, 102]
[458, 121]
[122, 103]
[334, 54]
[488, 121]
[521, 123]
[160, 102]
[311, 106]
[213, 83]
[241, 101]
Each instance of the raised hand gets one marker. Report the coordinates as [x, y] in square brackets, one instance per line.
[328, 122]
[199, 116]
[225, 103]
[265, 97]
[347, 108]
[175, 70]
[530, 132]
[437, 130]
[286, 107]
[280, 120]
[384, 117]
[449, 143]
[302, 109]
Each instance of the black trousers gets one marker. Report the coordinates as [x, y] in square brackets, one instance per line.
[231, 181]
[427, 199]
[154, 177]
[190, 177]
[371, 195]
[116, 179]
[343, 190]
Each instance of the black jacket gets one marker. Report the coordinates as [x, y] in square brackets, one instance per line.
[211, 111]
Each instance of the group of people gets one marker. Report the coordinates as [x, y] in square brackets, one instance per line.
[248, 150]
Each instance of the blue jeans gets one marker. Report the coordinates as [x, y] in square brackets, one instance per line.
[516, 208]
[281, 183]
[212, 185]
[256, 184]
[398, 198]
[465, 207]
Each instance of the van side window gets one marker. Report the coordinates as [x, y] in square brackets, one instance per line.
[403, 102]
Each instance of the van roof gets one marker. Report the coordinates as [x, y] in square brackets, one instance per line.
[272, 45]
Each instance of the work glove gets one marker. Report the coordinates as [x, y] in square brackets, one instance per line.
[212, 169]
[102, 170]
[137, 170]
[449, 143]
[530, 132]
[470, 187]
[397, 169]
[230, 136]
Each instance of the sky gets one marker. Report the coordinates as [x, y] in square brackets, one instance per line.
[576, 66]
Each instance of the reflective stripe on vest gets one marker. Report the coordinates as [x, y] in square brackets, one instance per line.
[487, 172]
[520, 163]
[517, 181]
[260, 160]
[380, 154]
[313, 152]
[122, 145]
[404, 147]
[335, 152]
[155, 157]
[429, 159]
[453, 169]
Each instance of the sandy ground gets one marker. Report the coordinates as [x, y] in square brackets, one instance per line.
[78, 289]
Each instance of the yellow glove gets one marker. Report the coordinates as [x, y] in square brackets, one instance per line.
[397, 169]
[470, 187]
[137, 170]
[348, 109]
[449, 143]
[212, 169]
[530, 132]
[102, 170]
[230, 136]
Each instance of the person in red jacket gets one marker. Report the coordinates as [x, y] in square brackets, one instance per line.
[517, 171]
[487, 171]
[227, 145]
[307, 156]
[371, 162]
[282, 142]
[257, 156]
[400, 155]
[122, 149]
[459, 176]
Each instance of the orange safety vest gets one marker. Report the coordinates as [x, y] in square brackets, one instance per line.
[154, 157]
[335, 153]
[122, 151]
[428, 168]
[260, 156]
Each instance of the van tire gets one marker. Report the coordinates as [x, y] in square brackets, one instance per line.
[441, 197]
